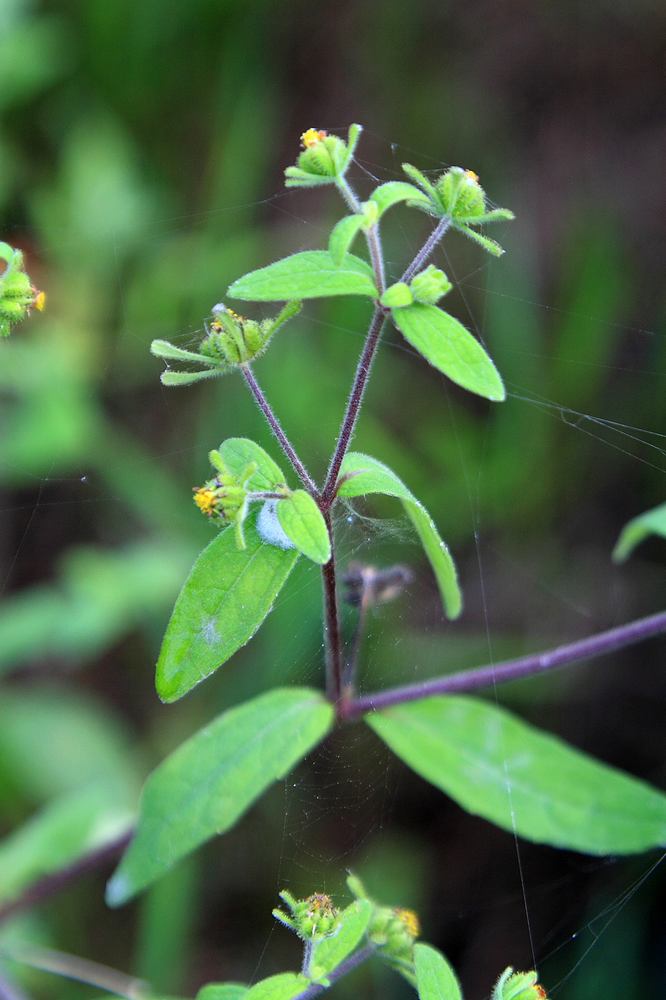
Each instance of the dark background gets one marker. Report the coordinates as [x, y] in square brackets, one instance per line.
[141, 150]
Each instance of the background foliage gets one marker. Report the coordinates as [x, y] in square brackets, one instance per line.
[142, 148]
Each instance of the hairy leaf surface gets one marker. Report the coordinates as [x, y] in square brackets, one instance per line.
[207, 784]
[223, 602]
[360, 474]
[522, 779]
[449, 347]
[309, 275]
[435, 979]
[303, 523]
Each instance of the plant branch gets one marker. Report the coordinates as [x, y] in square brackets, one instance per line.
[353, 405]
[332, 633]
[59, 963]
[349, 964]
[365, 363]
[275, 426]
[427, 249]
[511, 670]
[50, 885]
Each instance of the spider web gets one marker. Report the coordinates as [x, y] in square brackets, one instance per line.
[339, 808]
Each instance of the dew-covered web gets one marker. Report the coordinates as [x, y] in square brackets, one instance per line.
[338, 807]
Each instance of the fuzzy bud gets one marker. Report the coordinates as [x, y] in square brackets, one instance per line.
[518, 986]
[397, 296]
[460, 194]
[324, 159]
[312, 919]
[225, 497]
[17, 293]
[430, 285]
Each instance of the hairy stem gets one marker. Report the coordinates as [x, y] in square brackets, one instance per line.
[50, 885]
[372, 236]
[427, 248]
[349, 964]
[276, 427]
[511, 670]
[332, 633]
[353, 405]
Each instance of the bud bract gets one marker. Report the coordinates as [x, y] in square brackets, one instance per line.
[324, 159]
[17, 293]
[430, 285]
[518, 986]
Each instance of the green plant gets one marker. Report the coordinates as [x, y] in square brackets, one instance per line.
[490, 762]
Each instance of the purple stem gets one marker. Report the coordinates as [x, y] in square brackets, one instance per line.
[511, 670]
[427, 249]
[275, 426]
[349, 964]
[332, 633]
[52, 884]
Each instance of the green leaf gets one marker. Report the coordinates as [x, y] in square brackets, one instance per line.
[492, 246]
[652, 522]
[435, 979]
[392, 193]
[223, 602]
[360, 474]
[188, 378]
[330, 951]
[343, 235]
[59, 834]
[238, 453]
[450, 348]
[308, 275]
[284, 986]
[207, 784]
[223, 991]
[303, 523]
[163, 349]
[523, 780]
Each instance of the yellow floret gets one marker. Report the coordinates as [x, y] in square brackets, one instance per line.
[40, 300]
[205, 500]
[410, 921]
[312, 136]
[472, 176]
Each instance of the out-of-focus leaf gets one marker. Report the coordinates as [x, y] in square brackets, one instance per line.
[63, 831]
[652, 522]
[223, 602]
[204, 787]
[303, 523]
[449, 347]
[99, 595]
[523, 780]
[309, 275]
[435, 979]
[54, 740]
[360, 474]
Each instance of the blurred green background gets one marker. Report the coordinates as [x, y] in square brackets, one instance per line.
[141, 155]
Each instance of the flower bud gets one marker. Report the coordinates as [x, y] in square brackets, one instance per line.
[312, 919]
[460, 194]
[518, 986]
[225, 497]
[324, 159]
[17, 293]
[233, 340]
[430, 285]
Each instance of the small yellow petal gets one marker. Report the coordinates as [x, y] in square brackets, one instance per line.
[312, 136]
[472, 176]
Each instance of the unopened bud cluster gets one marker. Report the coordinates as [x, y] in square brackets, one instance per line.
[428, 287]
[312, 919]
[230, 341]
[324, 160]
[225, 497]
[17, 293]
